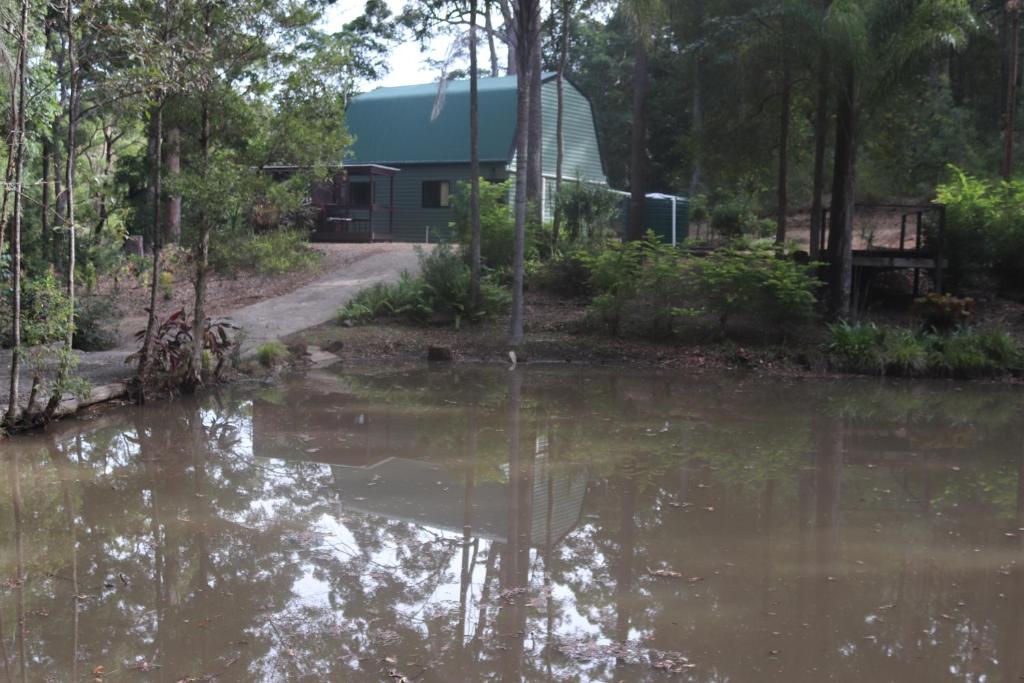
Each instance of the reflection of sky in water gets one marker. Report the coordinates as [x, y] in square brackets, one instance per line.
[809, 536]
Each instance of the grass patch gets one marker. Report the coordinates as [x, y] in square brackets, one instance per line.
[964, 353]
[271, 354]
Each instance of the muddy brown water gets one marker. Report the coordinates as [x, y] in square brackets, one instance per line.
[476, 524]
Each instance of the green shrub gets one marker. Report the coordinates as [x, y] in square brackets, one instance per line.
[166, 284]
[497, 226]
[592, 212]
[95, 324]
[729, 218]
[271, 354]
[984, 229]
[566, 272]
[267, 253]
[943, 312]
[441, 293]
[857, 347]
[868, 349]
[651, 289]
[904, 353]
[45, 312]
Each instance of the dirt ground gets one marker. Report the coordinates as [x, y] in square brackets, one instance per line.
[226, 292]
[873, 227]
[556, 333]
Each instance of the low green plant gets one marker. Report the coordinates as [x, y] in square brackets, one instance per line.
[271, 354]
[567, 272]
[867, 348]
[856, 347]
[984, 229]
[45, 312]
[652, 289]
[274, 252]
[95, 324]
[440, 294]
[944, 312]
[166, 285]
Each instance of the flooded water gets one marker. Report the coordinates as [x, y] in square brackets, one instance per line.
[476, 524]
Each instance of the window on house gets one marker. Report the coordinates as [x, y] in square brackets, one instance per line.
[360, 195]
[436, 194]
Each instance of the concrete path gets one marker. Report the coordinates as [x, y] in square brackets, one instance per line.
[307, 306]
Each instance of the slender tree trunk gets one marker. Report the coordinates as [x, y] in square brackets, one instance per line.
[474, 161]
[563, 61]
[74, 94]
[535, 159]
[783, 195]
[18, 150]
[202, 259]
[1013, 12]
[697, 105]
[172, 223]
[490, 40]
[820, 141]
[638, 146]
[108, 169]
[202, 249]
[840, 237]
[527, 23]
[157, 135]
[45, 222]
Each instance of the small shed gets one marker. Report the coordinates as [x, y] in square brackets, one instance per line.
[667, 215]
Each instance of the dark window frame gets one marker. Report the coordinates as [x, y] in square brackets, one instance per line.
[363, 199]
[431, 194]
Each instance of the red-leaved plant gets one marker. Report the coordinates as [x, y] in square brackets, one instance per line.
[171, 354]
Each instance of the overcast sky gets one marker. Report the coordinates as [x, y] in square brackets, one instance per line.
[407, 60]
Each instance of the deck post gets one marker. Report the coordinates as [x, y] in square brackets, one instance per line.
[917, 237]
[903, 232]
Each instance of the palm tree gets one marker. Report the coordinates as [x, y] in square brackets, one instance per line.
[874, 44]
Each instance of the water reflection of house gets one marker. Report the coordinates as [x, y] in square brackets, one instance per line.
[330, 427]
[421, 492]
[381, 465]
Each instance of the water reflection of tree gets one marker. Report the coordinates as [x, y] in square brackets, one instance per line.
[217, 547]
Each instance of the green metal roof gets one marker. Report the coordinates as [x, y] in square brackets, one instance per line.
[394, 126]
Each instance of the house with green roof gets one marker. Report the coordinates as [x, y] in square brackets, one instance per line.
[426, 137]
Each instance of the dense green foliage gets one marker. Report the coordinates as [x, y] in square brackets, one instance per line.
[440, 294]
[962, 353]
[268, 253]
[984, 229]
[651, 289]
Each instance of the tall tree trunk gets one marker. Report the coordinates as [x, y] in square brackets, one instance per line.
[18, 150]
[638, 142]
[783, 186]
[535, 159]
[1013, 12]
[74, 94]
[108, 169]
[490, 39]
[820, 140]
[563, 60]
[202, 259]
[157, 135]
[45, 219]
[526, 25]
[172, 224]
[697, 105]
[474, 161]
[202, 249]
[840, 236]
